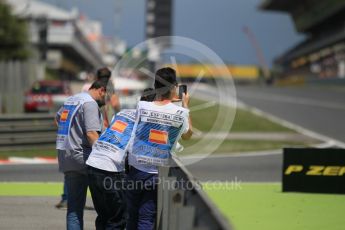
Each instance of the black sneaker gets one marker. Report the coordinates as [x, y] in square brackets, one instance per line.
[61, 205]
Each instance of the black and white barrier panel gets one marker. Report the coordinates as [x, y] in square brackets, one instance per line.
[314, 170]
[183, 205]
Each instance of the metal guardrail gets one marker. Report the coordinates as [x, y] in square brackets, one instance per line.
[183, 205]
[27, 130]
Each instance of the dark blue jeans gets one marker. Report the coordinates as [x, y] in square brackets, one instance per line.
[76, 183]
[108, 198]
[141, 197]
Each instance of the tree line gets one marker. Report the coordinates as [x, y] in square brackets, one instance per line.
[14, 42]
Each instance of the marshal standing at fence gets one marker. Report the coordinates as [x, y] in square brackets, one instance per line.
[159, 125]
[79, 124]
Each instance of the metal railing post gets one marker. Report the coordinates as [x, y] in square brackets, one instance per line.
[182, 205]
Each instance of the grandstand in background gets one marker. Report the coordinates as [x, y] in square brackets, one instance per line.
[321, 56]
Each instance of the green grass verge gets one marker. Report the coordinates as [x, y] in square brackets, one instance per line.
[31, 189]
[244, 121]
[264, 206]
[28, 153]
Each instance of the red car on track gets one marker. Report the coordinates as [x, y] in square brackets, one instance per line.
[46, 96]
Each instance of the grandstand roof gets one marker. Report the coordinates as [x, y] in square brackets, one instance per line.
[308, 14]
[278, 5]
[36, 9]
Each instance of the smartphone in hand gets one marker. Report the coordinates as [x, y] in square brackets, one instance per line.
[181, 90]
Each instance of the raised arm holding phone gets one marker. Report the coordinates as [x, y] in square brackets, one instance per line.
[159, 125]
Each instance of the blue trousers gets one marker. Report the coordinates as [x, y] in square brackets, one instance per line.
[76, 183]
[141, 197]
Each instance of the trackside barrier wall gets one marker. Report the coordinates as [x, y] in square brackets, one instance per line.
[183, 205]
[21, 131]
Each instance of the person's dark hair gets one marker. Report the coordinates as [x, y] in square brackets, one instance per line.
[103, 74]
[148, 95]
[99, 84]
[165, 79]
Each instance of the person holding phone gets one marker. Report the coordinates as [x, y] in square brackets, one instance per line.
[182, 89]
[158, 127]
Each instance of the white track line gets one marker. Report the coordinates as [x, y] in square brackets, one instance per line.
[293, 126]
